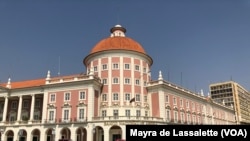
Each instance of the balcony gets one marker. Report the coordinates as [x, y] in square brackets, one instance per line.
[81, 120]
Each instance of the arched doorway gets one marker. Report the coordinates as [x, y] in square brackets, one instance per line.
[65, 134]
[98, 134]
[22, 135]
[35, 135]
[115, 132]
[50, 134]
[9, 135]
[81, 134]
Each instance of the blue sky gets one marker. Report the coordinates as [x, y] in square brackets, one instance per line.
[193, 42]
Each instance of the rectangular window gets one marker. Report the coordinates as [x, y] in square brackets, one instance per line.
[137, 67]
[14, 105]
[188, 118]
[104, 113]
[115, 114]
[12, 118]
[126, 66]
[115, 66]
[127, 81]
[127, 97]
[137, 82]
[104, 81]
[66, 96]
[145, 98]
[127, 113]
[182, 117]
[115, 97]
[193, 106]
[137, 97]
[174, 101]
[187, 104]
[25, 104]
[104, 97]
[138, 113]
[36, 117]
[146, 113]
[168, 115]
[194, 119]
[167, 98]
[95, 68]
[37, 103]
[175, 116]
[181, 102]
[115, 81]
[66, 115]
[51, 115]
[52, 97]
[104, 67]
[81, 114]
[82, 95]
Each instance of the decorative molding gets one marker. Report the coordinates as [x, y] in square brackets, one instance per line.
[51, 106]
[116, 104]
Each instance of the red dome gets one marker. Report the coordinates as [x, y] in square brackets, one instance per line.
[118, 43]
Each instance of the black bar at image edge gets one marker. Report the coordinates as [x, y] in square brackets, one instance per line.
[194, 132]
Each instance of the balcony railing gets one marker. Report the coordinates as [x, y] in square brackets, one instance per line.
[127, 118]
[65, 121]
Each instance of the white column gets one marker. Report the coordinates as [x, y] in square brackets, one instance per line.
[43, 135]
[161, 103]
[16, 136]
[90, 134]
[5, 109]
[19, 108]
[32, 107]
[45, 102]
[72, 134]
[106, 133]
[123, 128]
[91, 93]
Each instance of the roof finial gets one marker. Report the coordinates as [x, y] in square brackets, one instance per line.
[202, 94]
[160, 76]
[9, 83]
[48, 75]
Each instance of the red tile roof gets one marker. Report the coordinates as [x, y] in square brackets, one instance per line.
[25, 84]
[118, 43]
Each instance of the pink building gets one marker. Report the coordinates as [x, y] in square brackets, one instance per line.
[115, 91]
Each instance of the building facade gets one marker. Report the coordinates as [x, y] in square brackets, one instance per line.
[233, 94]
[116, 90]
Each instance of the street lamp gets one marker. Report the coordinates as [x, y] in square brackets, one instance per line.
[53, 133]
[2, 132]
[93, 131]
[20, 133]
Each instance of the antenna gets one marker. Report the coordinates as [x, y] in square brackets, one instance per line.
[59, 65]
[118, 13]
[181, 78]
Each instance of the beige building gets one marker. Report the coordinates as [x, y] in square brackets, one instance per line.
[115, 91]
[232, 94]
